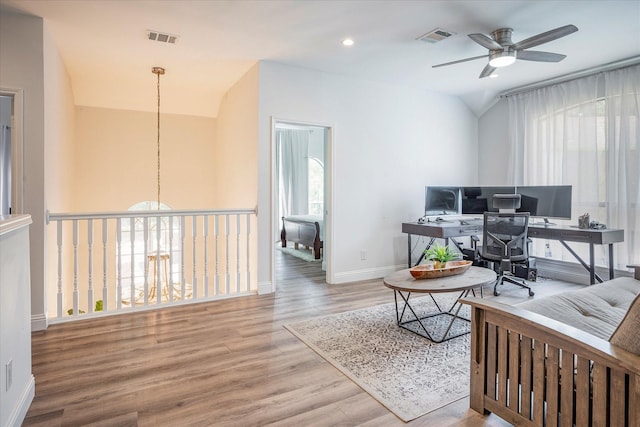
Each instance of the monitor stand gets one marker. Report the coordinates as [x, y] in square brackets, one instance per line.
[545, 222]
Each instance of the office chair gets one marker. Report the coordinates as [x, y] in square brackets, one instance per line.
[505, 239]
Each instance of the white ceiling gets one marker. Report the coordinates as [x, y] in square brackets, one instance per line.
[108, 57]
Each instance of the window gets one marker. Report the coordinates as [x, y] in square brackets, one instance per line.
[136, 263]
[316, 187]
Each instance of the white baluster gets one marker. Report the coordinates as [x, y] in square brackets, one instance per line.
[183, 276]
[248, 253]
[145, 236]
[90, 243]
[170, 278]
[157, 267]
[119, 264]
[226, 239]
[105, 289]
[60, 294]
[194, 235]
[216, 277]
[132, 268]
[75, 268]
[237, 253]
[205, 234]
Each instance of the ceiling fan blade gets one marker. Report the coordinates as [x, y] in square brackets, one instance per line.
[485, 41]
[545, 37]
[534, 55]
[459, 61]
[487, 71]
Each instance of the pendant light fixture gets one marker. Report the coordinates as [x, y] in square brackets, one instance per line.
[158, 71]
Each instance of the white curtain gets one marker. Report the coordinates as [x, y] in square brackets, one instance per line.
[292, 157]
[584, 133]
[5, 169]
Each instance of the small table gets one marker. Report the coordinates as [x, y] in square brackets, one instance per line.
[404, 284]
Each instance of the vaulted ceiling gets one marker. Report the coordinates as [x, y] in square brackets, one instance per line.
[108, 56]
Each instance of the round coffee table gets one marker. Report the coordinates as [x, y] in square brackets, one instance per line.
[403, 285]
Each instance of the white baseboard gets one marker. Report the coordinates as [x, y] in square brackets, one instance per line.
[265, 288]
[368, 274]
[39, 322]
[572, 272]
[22, 404]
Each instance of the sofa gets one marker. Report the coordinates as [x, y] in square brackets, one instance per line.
[571, 359]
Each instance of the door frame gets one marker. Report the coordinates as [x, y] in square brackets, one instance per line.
[17, 149]
[327, 253]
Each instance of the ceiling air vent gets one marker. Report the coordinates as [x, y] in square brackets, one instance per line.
[436, 35]
[162, 37]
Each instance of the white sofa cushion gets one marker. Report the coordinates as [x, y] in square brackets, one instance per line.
[597, 309]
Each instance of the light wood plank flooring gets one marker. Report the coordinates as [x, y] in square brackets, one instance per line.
[223, 363]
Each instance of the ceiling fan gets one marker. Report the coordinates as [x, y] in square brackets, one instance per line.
[503, 52]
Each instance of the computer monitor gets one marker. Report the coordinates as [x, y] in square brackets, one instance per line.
[478, 200]
[546, 201]
[442, 201]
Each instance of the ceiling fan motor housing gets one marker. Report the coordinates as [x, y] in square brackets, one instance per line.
[503, 36]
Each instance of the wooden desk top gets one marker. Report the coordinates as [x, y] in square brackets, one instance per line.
[474, 277]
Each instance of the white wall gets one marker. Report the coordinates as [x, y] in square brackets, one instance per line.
[116, 156]
[389, 142]
[235, 158]
[22, 67]
[15, 327]
[493, 146]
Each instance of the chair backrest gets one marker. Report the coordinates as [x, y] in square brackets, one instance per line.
[505, 236]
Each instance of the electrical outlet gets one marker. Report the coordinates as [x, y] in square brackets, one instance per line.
[9, 372]
[363, 255]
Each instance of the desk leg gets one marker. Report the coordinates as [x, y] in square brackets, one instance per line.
[592, 264]
[611, 261]
[591, 267]
[409, 249]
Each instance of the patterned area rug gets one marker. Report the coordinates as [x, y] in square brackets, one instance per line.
[408, 374]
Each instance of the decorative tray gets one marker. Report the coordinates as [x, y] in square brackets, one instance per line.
[427, 271]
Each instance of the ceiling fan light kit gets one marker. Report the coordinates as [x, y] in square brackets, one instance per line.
[502, 58]
[503, 52]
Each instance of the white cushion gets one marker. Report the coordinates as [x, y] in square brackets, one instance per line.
[597, 309]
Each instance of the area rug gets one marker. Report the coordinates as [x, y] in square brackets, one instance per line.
[408, 374]
[301, 253]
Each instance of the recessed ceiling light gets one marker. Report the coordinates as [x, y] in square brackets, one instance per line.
[347, 42]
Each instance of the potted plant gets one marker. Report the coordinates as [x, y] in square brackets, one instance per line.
[440, 255]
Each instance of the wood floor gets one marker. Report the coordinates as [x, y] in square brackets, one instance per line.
[223, 363]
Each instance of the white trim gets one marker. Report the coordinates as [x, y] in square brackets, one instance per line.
[572, 271]
[39, 322]
[367, 274]
[22, 404]
[265, 288]
[17, 149]
[328, 195]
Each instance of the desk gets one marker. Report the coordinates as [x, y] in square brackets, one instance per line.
[563, 234]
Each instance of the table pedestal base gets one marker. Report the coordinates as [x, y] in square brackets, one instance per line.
[421, 329]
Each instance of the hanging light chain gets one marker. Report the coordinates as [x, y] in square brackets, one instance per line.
[158, 71]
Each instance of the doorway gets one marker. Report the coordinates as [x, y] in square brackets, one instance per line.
[301, 177]
[11, 152]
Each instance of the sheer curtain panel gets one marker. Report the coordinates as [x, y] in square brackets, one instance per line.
[292, 154]
[584, 133]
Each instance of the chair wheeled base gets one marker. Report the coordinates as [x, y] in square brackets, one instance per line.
[510, 279]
